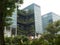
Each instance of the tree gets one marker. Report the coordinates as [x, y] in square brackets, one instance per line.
[6, 9]
[57, 41]
[53, 29]
[40, 41]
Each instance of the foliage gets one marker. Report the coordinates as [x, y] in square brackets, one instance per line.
[6, 9]
[53, 29]
[18, 40]
[57, 41]
[23, 40]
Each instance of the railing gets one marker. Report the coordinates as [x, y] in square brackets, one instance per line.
[25, 21]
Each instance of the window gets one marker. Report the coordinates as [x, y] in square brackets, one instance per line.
[50, 21]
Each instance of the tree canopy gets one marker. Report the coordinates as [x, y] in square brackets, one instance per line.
[6, 9]
[53, 27]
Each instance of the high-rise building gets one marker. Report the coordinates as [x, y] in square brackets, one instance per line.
[12, 29]
[31, 21]
[49, 18]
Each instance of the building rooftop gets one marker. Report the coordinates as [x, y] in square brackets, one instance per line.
[50, 13]
[31, 5]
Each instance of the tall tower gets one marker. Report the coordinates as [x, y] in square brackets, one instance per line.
[34, 15]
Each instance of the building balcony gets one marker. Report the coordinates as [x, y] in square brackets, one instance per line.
[26, 21]
[25, 13]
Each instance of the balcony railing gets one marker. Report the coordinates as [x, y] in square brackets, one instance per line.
[25, 21]
[25, 13]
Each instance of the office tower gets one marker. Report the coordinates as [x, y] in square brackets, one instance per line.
[12, 29]
[49, 18]
[30, 21]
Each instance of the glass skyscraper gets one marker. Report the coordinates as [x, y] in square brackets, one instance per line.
[49, 18]
[32, 19]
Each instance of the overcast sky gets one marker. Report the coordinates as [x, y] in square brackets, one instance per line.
[46, 5]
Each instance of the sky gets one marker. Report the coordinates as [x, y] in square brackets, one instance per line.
[46, 5]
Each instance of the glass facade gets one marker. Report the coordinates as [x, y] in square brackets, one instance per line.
[37, 17]
[32, 20]
[14, 19]
[25, 23]
[12, 29]
[14, 23]
[49, 18]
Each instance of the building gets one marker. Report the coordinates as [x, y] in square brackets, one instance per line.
[31, 21]
[12, 29]
[49, 18]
